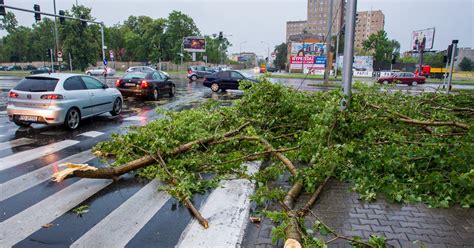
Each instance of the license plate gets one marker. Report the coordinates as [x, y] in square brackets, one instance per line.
[130, 85]
[27, 118]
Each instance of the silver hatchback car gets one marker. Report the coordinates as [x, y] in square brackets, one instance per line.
[61, 99]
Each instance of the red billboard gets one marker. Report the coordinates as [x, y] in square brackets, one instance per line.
[302, 60]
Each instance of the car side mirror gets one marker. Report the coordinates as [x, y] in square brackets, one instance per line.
[104, 86]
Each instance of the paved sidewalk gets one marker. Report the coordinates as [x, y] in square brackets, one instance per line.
[400, 224]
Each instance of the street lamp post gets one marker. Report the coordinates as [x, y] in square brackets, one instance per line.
[56, 34]
[348, 52]
[268, 50]
[241, 43]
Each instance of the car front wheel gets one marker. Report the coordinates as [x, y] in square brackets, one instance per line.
[385, 82]
[194, 78]
[117, 108]
[415, 83]
[73, 118]
[215, 87]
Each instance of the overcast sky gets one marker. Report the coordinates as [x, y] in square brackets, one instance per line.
[252, 21]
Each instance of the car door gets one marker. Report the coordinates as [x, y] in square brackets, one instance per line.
[235, 78]
[158, 82]
[101, 99]
[166, 83]
[76, 93]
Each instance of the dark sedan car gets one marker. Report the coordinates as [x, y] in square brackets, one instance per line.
[41, 70]
[225, 80]
[403, 78]
[149, 85]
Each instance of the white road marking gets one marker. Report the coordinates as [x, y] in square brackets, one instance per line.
[227, 210]
[22, 225]
[26, 181]
[120, 226]
[92, 134]
[15, 143]
[3, 112]
[22, 157]
[134, 118]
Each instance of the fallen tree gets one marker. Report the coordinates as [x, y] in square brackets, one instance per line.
[411, 148]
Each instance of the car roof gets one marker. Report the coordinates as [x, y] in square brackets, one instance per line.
[60, 76]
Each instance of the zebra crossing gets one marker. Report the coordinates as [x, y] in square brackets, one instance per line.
[37, 212]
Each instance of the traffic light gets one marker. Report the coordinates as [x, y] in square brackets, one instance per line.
[36, 7]
[48, 52]
[84, 23]
[61, 17]
[221, 35]
[3, 12]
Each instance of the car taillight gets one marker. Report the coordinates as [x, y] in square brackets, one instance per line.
[190, 71]
[52, 97]
[13, 94]
[117, 83]
[144, 84]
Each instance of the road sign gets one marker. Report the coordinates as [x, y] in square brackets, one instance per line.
[60, 54]
[60, 59]
[105, 61]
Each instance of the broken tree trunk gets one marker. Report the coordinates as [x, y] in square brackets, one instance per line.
[115, 172]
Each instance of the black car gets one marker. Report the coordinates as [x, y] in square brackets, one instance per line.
[149, 85]
[271, 69]
[195, 72]
[41, 70]
[14, 68]
[225, 80]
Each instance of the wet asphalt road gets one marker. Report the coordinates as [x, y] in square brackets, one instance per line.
[38, 143]
[68, 227]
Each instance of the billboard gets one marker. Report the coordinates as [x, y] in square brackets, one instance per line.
[361, 63]
[307, 49]
[307, 56]
[422, 40]
[194, 44]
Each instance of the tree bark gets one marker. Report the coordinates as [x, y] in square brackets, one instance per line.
[293, 194]
[115, 172]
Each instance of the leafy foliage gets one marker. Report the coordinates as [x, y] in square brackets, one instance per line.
[380, 46]
[367, 146]
[370, 145]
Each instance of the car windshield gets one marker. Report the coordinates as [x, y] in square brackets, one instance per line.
[135, 75]
[246, 75]
[38, 84]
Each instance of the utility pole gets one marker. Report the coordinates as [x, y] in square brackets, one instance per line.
[451, 70]
[328, 44]
[56, 34]
[348, 52]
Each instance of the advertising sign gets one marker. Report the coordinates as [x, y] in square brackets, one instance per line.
[361, 63]
[423, 40]
[308, 49]
[194, 44]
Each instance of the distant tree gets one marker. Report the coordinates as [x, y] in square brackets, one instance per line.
[42, 38]
[9, 22]
[408, 60]
[281, 56]
[216, 49]
[434, 59]
[82, 42]
[178, 26]
[466, 64]
[380, 46]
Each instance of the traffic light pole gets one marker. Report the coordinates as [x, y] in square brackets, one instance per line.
[451, 69]
[328, 45]
[65, 17]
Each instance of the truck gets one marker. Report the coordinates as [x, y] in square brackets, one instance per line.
[432, 72]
